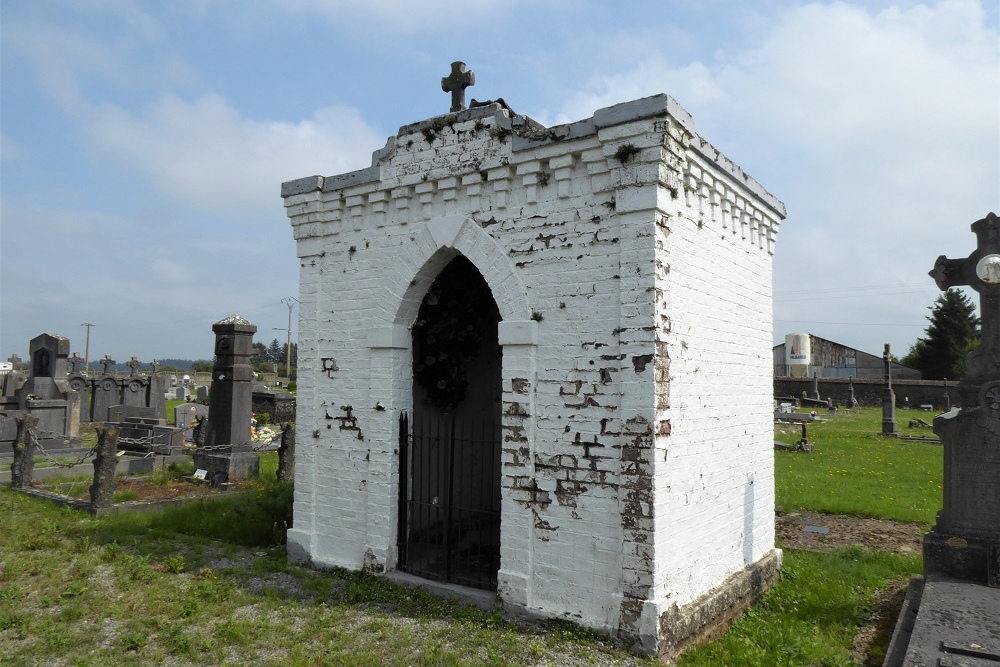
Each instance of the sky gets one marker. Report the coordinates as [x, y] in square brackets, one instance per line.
[143, 144]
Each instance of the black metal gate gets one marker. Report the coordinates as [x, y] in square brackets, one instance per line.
[449, 497]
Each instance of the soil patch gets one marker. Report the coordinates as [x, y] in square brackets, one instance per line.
[798, 530]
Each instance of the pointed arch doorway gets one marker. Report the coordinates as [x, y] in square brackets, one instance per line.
[450, 444]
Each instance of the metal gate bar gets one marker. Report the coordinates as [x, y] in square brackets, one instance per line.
[449, 500]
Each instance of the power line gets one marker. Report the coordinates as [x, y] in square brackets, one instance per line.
[854, 324]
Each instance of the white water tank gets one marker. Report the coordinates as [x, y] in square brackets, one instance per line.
[797, 354]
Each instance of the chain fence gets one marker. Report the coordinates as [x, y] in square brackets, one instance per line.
[36, 436]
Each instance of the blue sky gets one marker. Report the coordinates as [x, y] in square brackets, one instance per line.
[143, 144]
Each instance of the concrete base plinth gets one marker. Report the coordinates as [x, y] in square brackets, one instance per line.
[223, 468]
[973, 557]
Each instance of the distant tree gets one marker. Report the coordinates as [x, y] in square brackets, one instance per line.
[259, 353]
[274, 352]
[202, 366]
[951, 334]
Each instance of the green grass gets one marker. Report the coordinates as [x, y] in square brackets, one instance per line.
[171, 404]
[208, 583]
[179, 587]
[855, 470]
[811, 616]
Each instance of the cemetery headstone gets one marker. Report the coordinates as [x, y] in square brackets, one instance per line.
[156, 395]
[228, 452]
[965, 541]
[47, 394]
[889, 425]
[107, 392]
[83, 386]
[134, 390]
[950, 617]
[119, 413]
[75, 363]
[108, 363]
[185, 416]
[149, 435]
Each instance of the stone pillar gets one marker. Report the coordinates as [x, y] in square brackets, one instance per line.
[155, 395]
[23, 466]
[227, 453]
[286, 453]
[102, 490]
[815, 391]
[889, 425]
[230, 402]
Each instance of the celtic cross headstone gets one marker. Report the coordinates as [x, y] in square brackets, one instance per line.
[979, 271]
[75, 362]
[108, 363]
[965, 541]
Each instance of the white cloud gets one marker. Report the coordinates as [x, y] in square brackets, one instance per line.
[204, 153]
[881, 129]
[407, 16]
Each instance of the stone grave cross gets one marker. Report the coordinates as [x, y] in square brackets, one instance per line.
[156, 366]
[979, 271]
[456, 83]
[965, 541]
[133, 365]
[108, 362]
[889, 425]
[75, 362]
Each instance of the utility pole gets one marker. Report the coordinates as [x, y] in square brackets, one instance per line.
[86, 353]
[289, 301]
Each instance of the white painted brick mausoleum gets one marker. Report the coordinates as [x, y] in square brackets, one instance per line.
[538, 361]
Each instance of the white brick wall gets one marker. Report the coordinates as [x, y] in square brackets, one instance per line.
[635, 296]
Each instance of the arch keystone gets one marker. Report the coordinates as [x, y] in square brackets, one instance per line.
[445, 230]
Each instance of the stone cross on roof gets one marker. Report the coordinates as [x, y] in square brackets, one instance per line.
[108, 362]
[75, 362]
[456, 83]
[981, 272]
[133, 364]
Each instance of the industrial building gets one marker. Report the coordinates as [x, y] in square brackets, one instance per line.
[806, 355]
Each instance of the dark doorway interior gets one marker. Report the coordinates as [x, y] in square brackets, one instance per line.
[450, 498]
